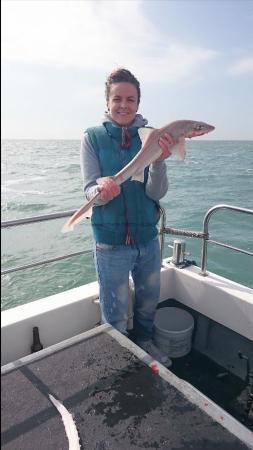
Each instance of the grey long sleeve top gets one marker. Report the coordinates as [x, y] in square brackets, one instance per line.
[157, 184]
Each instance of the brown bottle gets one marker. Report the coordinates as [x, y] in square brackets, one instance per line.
[36, 346]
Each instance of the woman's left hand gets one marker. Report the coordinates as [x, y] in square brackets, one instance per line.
[166, 142]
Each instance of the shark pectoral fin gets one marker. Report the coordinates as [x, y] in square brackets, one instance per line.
[138, 176]
[179, 149]
[144, 133]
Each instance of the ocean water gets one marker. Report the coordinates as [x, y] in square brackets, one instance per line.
[41, 177]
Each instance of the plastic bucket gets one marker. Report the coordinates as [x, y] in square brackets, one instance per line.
[173, 329]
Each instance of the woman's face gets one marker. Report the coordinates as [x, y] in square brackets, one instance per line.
[122, 103]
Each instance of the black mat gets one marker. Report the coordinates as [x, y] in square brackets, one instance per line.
[117, 402]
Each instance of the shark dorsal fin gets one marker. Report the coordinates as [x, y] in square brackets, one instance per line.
[144, 133]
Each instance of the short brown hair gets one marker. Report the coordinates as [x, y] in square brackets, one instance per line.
[118, 76]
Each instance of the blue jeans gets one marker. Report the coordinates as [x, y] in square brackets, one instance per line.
[113, 264]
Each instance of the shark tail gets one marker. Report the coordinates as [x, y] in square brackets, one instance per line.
[84, 212]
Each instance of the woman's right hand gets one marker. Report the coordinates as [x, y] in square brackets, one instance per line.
[108, 188]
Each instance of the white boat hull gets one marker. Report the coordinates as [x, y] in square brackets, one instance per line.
[69, 313]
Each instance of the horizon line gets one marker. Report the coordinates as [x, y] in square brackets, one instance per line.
[76, 139]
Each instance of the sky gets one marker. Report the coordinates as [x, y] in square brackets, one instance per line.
[193, 58]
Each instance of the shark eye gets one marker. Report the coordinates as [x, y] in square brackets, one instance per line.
[198, 127]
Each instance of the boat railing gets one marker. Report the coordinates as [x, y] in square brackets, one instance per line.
[37, 219]
[204, 235]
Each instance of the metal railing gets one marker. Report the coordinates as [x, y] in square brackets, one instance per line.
[206, 239]
[36, 219]
[204, 235]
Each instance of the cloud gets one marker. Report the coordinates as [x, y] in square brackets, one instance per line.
[173, 62]
[243, 66]
[95, 35]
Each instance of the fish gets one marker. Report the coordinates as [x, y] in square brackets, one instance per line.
[69, 424]
[149, 152]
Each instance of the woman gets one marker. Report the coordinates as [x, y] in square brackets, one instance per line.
[124, 218]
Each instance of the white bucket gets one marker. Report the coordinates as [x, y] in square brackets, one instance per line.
[173, 329]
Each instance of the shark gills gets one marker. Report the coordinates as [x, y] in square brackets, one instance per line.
[149, 152]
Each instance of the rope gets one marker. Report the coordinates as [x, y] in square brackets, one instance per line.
[180, 232]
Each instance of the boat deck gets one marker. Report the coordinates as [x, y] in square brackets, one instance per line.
[118, 398]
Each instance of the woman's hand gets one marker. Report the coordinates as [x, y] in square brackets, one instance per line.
[166, 142]
[108, 188]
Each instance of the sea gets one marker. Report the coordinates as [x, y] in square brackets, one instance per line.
[43, 177]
